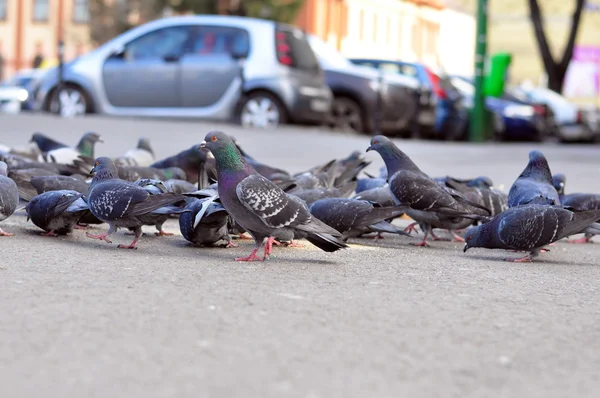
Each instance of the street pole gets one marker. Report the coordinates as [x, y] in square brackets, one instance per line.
[478, 124]
[61, 65]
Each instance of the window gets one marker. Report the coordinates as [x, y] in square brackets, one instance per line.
[158, 44]
[389, 68]
[3, 10]
[361, 25]
[81, 11]
[41, 10]
[219, 40]
[375, 27]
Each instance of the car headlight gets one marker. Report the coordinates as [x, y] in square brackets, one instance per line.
[22, 95]
[520, 111]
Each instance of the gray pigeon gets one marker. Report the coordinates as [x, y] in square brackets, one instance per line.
[22, 178]
[428, 203]
[576, 201]
[354, 217]
[142, 155]
[57, 182]
[260, 206]
[9, 196]
[120, 203]
[534, 185]
[381, 195]
[207, 221]
[56, 212]
[530, 228]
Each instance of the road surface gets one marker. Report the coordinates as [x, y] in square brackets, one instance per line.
[80, 318]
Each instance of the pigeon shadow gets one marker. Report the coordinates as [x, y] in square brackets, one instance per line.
[540, 260]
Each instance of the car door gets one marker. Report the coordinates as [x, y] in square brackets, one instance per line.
[399, 100]
[209, 68]
[146, 74]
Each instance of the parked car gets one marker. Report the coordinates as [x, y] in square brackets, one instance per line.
[512, 119]
[360, 94]
[15, 93]
[441, 112]
[196, 66]
[571, 121]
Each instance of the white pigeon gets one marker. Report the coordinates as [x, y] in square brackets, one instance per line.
[141, 156]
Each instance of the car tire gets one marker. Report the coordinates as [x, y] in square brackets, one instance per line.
[261, 110]
[74, 101]
[346, 116]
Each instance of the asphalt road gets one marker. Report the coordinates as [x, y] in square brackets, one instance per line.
[80, 318]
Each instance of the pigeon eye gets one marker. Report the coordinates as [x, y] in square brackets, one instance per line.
[374, 142]
[469, 237]
[214, 138]
[97, 163]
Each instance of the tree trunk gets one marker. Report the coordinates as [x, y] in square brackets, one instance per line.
[556, 71]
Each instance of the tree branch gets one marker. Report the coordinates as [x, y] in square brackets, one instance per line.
[576, 21]
[538, 27]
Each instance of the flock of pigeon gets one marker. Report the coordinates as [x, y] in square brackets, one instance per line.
[217, 191]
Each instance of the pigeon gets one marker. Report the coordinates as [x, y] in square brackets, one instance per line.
[354, 217]
[534, 185]
[57, 183]
[45, 143]
[142, 155]
[158, 217]
[576, 201]
[381, 195]
[120, 203]
[9, 196]
[189, 161]
[179, 186]
[69, 155]
[207, 221]
[22, 177]
[56, 212]
[428, 203]
[529, 228]
[481, 182]
[260, 206]
[481, 193]
[365, 184]
[134, 173]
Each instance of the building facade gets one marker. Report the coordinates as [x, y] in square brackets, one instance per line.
[34, 27]
[410, 30]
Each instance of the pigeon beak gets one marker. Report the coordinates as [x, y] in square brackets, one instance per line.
[466, 248]
[202, 145]
[93, 170]
[369, 149]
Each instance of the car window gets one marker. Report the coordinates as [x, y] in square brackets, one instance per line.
[409, 70]
[303, 55]
[365, 63]
[158, 44]
[219, 40]
[388, 67]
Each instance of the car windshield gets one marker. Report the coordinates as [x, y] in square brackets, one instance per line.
[328, 56]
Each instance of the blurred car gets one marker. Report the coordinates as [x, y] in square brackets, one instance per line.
[358, 91]
[512, 119]
[15, 92]
[441, 110]
[195, 66]
[570, 120]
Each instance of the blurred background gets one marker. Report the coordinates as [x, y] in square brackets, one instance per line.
[430, 69]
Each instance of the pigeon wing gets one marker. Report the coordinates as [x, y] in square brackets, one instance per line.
[65, 200]
[522, 228]
[268, 202]
[113, 199]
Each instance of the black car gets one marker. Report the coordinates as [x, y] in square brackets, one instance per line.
[362, 95]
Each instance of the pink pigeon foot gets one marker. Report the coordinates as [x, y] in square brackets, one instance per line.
[163, 233]
[49, 233]
[230, 245]
[251, 257]
[2, 233]
[412, 227]
[103, 237]
[585, 239]
[80, 226]
[293, 244]
[245, 236]
[526, 259]
[131, 246]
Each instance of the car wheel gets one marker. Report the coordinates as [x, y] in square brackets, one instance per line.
[346, 116]
[261, 110]
[73, 102]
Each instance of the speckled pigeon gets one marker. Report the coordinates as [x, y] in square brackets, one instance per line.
[529, 228]
[576, 201]
[9, 196]
[56, 212]
[428, 203]
[260, 206]
[534, 185]
[354, 217]
[120, 203]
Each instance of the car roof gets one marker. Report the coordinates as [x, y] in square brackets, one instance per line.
[224, 20]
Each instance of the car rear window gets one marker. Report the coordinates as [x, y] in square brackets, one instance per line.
[301, 52]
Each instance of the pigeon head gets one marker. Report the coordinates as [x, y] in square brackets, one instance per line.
[474, 238]
[537, 167]
[481, 182]
[144, 143]
[225, 151]
[87, 142]
[393, 157]
[105, 169]
[3, 169]
[559, 180]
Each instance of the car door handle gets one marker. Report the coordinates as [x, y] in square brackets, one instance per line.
[171, 58]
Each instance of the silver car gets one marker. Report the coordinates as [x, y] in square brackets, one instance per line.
[196, 66]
